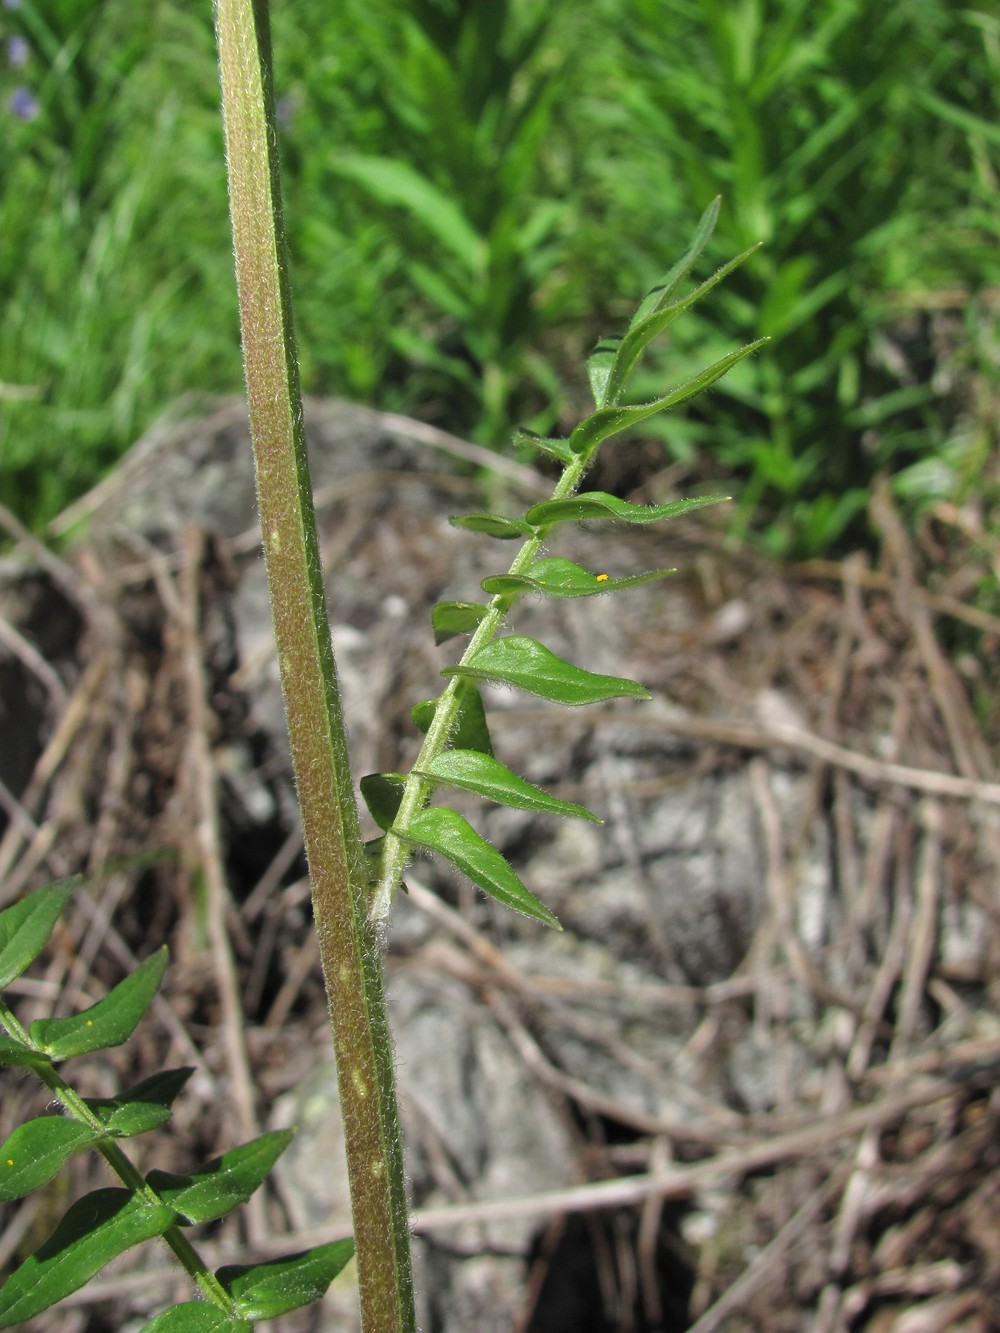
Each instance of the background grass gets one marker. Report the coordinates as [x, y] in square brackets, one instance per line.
[476, 192]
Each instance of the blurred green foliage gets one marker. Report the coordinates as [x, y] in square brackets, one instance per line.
[473, 192]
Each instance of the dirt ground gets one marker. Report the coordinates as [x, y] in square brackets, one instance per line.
[826, 1155]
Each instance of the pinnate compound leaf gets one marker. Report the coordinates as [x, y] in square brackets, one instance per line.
[563, 578]
[266, 1291]
[445, 831]
[25, 927]
[95, 1230]
[470, 731]
[492, 525]
[110, 1021]
[224, 1183]
[143, 1107]
[382, 793]
[488, 777]
[451, 618]
[529, 666]
[196, 1317]
[36, 1150]
[608, 421]
[601, 505]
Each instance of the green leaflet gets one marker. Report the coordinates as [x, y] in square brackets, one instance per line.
[36, 1150]
[642, 331]
[563, 578]
[13, 1053]
[451, 618]
[445, 831]
[488, 777]
[470, 731]
[528, 665]
[143, 1107]
[95, 1230]
[221, 1185]
[658, 295]
[269, 1290]
[608, 421]
[614, 359]
[196, 1317]
[601, 505]
[543, 444]
[492, 525]
[25, 927]
[382, 793]
[599, 367]
[110, 1021]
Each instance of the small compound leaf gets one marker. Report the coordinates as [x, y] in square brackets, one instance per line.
[488, 777]
[660, 294]
[599, 365]
[110, 1021]
[13, 1053]
[528, 665]
[382, 793]
[544, 444]
[563, 578]
[224, 1183]
[36, 1150]
[451, 618]
[493, 525]
[196, 1317]
[445, 831]
[266, 1291]
[470, 731]
[25, 927]
[143, 1107]
[95, 1230]
[601, 505]
[608, 421]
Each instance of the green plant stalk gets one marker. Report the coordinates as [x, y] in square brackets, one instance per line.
[350, 946]
[126, 1171]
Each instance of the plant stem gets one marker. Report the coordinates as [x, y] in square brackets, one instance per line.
[349, 944]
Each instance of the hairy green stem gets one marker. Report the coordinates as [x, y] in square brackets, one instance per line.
[349, 942]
